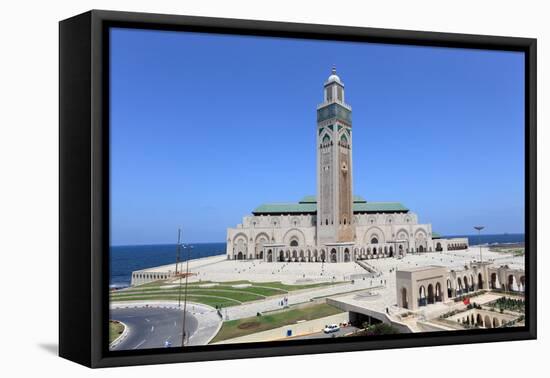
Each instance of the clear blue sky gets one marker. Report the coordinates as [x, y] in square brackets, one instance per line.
[204, 128]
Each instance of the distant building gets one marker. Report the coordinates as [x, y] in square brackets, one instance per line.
[335, 225]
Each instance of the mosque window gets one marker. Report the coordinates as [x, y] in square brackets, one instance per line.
[339, 93]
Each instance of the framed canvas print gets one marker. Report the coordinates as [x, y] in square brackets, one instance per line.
[234, 188]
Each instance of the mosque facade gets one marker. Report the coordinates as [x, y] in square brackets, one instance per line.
[335, 225]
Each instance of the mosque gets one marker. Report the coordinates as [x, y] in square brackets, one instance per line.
[335, 225]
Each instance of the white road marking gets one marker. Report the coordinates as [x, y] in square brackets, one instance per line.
[152, 328]
[147, 320]
[140, 344]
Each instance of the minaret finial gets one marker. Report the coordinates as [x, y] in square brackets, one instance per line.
[334, 69]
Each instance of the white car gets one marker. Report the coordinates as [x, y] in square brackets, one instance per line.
[331, 328]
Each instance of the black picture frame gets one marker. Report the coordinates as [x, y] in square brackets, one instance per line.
[84, 185]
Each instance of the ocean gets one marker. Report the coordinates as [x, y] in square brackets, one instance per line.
[127, 258]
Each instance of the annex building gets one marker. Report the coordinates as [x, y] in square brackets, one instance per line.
[335, 225]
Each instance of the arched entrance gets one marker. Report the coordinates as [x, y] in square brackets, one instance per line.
[458, 286]
[346, 255]
[391, 251]
[479, 281]
[281, 256]
[422, 296]
[239, 256]
[431, 296]
[511, 283]
[438, 247]
[261, 255]
[449, 289]
[488, 323]
[466, 287]
[479, 320]
[333, 257]
[438, 294]
[421, 248]
[269, 256]
[493, 282]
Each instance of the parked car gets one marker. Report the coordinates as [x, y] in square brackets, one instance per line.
[331, 328]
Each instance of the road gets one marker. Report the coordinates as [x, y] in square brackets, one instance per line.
[152, 327]
[321, 335]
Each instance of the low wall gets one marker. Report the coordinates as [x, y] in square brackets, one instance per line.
[298, 329]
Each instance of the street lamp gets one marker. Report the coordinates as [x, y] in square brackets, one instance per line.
[188, 247]
[479, 228]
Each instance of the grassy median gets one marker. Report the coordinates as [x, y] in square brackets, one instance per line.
[247, 326]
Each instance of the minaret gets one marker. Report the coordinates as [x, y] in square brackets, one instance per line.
[335, 221]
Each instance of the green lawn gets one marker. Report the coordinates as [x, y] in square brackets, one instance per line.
[115, 330]
[222, 295]
[247, 326]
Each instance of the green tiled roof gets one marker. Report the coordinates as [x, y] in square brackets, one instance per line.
[286, 208]
[378, 207]
[435, 235]
[308, 205]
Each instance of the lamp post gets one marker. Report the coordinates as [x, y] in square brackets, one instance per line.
[479, 228]
[188, 247]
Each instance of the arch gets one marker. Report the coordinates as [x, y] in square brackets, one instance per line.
[333, 256]
[487, 322]
[421, 248]
[438, 247]
[496, 322]
[459, 286]
[465, 281]
[294, 243]
[479, 281]
[294, 255]
[479, 320]
[391, 251]
[281, 256]
[431, 294]
[259, 242]
[511, 281]
[400, 249]
[302, 256]
[421, 296]
[323, 255]
[404, 299]
[449, 289]
[261, 255]
[269, 255]
[374, 232]
[240, 245]
[522, 282]
[294, 234]
[402, 234]
[343, 139]
[493, 281]
[374, 240]
[346, 255]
